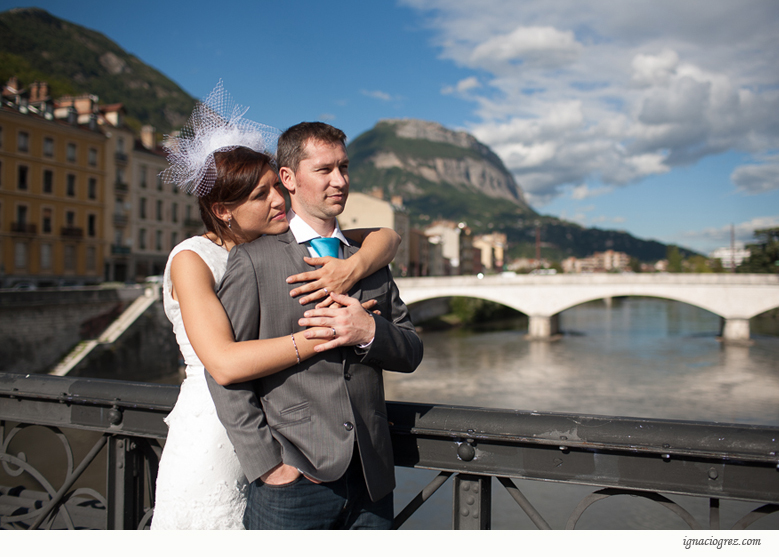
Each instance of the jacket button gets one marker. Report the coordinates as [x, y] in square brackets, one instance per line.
[347, 376]
[348, 426]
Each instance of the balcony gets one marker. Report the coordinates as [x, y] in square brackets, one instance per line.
[119, 250]
[121, 187]
[193, 223]
[23, 228]
[71, 232]
[121, 158]
[121, 219]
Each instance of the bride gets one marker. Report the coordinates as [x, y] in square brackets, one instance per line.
[226, 161]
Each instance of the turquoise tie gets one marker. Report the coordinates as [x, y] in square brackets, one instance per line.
[326, 246]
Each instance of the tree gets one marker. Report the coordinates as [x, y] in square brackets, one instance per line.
[674, 257]
[764, 254]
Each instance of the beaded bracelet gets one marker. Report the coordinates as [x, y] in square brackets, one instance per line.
[295, 344]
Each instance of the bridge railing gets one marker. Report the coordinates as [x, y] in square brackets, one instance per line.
[124, 422]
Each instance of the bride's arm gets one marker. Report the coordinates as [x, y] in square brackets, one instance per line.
[211, 335]
[379, 246]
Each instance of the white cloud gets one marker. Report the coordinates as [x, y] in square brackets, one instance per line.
[743, 232]
[534, 46]
[592, 90]
[463, 86]
[380, 95]
[757, 178]
[584, 192]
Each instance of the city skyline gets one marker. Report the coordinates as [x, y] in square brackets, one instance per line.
[657, 118]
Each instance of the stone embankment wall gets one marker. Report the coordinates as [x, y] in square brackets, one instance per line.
[39, 327]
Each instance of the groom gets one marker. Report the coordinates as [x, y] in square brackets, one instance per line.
[313, 439]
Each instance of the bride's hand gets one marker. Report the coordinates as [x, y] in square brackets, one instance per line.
[335, 275]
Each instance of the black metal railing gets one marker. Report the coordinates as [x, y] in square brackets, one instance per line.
[647, 458]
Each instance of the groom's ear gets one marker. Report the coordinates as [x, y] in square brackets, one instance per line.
[287, 178]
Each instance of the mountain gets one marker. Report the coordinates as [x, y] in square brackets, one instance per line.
[444, 174]
[73, 60]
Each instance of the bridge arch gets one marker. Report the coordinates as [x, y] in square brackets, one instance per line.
[735, 298]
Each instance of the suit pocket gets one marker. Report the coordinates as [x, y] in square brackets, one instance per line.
[292, 415]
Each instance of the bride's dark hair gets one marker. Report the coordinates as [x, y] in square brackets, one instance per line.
[238, 171]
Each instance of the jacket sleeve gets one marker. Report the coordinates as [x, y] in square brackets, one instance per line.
[396, 345]
[237, 405]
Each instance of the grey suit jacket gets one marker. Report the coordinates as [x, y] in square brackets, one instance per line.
[310, 415]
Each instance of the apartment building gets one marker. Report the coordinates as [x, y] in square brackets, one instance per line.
[73, 166]
[52, 184]
[369, 211]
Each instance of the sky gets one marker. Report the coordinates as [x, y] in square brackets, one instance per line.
[659, 118]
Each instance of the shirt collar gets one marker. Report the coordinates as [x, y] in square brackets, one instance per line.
[303, 232]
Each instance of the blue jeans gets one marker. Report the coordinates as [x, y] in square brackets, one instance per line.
[304, 505]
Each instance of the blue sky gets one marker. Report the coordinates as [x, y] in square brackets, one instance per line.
[657, 117]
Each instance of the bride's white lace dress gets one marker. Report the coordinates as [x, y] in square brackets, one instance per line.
[200, 484]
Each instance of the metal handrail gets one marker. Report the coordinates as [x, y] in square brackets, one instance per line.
[613, 454]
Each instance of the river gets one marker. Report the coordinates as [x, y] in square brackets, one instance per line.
[640, 357]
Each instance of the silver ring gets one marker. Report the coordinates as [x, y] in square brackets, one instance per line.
[325, 289]
[334, 334]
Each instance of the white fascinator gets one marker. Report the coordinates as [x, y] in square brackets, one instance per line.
[217, 124]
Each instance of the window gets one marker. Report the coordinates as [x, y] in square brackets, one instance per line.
[120, 145]
[23, 176]
[142, 172]
[92, 156]
[174, 239]
[45, 257]
[142, 208]
[48, 147]
[70, 258]
[92, 188]
[20, 255]
[70, 219]
[21, 217]
[174, 210]
[91, 259]
[71, 186]
[71, 153]
[158, 240]
[47, 221]
[142, 238]
[159, 182]
[91, 225]
[23, 142]
[48, 181]
[159, 209]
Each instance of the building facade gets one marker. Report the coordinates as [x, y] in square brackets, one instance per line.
[370, 211]
[52, 192]
[81, 201]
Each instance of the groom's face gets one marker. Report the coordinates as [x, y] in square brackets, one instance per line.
[321, 183]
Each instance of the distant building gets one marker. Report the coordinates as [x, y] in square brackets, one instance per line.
[731, 257]
[599, 262]
[456, 241]
[492, 247]
[52, 193]
[369, 211]
[80, 201]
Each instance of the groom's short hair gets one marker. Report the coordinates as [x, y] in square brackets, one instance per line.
[292, 143]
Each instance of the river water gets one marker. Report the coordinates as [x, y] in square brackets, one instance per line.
[638, 357]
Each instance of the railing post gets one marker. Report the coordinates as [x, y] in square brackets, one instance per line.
[124, 488]
[472, 502]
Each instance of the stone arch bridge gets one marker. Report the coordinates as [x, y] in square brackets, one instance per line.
[734, 297]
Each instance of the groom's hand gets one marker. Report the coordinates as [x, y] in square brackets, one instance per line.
[283, 474]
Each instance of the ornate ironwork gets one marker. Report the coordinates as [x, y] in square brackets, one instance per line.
[650, 459]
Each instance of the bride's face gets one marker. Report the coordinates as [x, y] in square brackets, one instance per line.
[263, 212]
